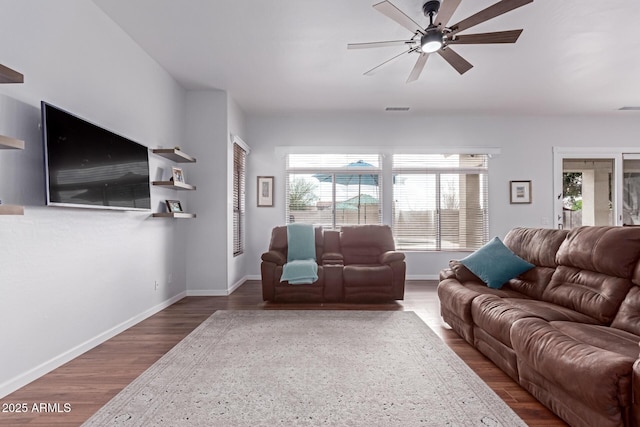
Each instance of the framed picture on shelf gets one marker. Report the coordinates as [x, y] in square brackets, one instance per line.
[520, 192]
[177, 175]
[265, 191]
[173, 206]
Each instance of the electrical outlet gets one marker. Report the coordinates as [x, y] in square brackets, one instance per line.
[157, 285]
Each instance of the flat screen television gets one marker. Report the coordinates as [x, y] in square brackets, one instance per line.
[91, 167]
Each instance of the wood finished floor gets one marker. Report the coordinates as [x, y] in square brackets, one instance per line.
[91, 380]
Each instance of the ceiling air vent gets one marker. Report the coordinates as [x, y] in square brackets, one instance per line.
[397, 109]
[630, 108]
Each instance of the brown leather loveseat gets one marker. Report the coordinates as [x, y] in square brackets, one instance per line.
[356, 264]
[568, 329]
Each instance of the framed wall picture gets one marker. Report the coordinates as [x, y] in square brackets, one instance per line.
[177, 175]
[173, 206]
[265, 191]
[520, 192]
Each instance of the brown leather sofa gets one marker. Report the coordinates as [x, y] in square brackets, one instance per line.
[567, 330]
[356, 264]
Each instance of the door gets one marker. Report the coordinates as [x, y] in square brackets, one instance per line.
[585, 188]
[631, 189]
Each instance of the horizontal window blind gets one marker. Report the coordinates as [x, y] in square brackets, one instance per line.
[239, 176]
[440, 201]
[333, 190]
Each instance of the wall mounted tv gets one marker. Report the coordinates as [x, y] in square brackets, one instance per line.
[91, 167]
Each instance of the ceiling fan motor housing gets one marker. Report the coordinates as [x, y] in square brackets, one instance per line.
[431, 7]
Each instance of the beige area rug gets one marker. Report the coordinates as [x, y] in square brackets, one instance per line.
[308, 368]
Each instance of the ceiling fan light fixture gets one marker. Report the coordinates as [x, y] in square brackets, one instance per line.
[431, 41]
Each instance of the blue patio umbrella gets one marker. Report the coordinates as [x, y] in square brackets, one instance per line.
[351, 178]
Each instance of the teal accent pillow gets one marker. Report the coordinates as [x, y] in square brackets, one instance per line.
[301, 242]
[495, 264]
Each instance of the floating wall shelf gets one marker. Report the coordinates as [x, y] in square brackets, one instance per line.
[174, 185]
[7, 75]
[11, 210]
[174, 215]
[174, 154]
[177, 156]
[11, 143]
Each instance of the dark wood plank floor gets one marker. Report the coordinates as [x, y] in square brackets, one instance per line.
[91, 380]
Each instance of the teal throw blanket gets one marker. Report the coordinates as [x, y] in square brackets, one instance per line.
[301, 267]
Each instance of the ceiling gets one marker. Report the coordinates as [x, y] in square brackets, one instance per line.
[280, 56]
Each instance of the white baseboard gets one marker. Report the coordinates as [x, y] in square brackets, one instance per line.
[207, 293]
[236, 285]
[220, 292]
[21, 380]
[423, 277]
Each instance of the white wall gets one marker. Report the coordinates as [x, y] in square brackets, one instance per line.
[526, 154]
[70, 278]
[207, 234]
[212, 117]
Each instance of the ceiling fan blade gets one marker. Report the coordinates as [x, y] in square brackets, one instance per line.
[456, 61]
[374, 69]
[486, 38]
[491, 12]
[447, 9]
[380, 44]
[390, 11]
[417, 69]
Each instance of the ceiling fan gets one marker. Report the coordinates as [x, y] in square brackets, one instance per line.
[437, 37]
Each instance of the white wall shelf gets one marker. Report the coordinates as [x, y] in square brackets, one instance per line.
[7, 75]
[11, 210]
[7, 143]
[174, 154]
[174, 185]
[174, 215]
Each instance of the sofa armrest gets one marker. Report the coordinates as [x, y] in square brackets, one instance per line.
[447, 273]
[332, 258]
[391, 256]
[275, 257]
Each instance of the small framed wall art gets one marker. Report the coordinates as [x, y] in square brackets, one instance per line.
[177, 175]
[520, 192]
[265, 191]
[173, 206]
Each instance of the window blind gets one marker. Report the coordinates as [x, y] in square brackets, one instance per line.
[440, 201]
[239, 176]
[333, 190]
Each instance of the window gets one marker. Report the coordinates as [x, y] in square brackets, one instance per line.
[333, 190]
[239, 173]
[440, 201]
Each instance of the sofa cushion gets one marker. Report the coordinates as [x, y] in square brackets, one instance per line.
[495, 264]
[363, 244]
[628, 316]
[496, 315]
[609, 250]
[536, 245]
[367, 275]
[462, 273]
[595, 294]
[532, 283]
[598, 378]
[603, 337]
